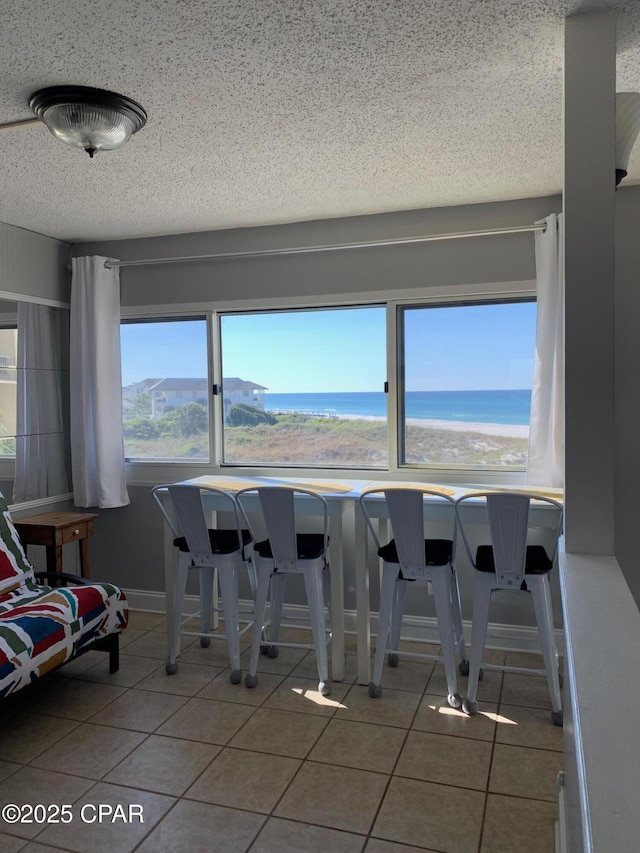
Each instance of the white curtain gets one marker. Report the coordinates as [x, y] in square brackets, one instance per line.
[42, 431]
[545, 466]
[97, 450]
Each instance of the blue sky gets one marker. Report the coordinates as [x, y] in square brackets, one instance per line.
[337, 350]
[470, 348]
[447, 348]
[177, 349]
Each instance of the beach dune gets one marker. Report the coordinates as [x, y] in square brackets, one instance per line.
[504, 430]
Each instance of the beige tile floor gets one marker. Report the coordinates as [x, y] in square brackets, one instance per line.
[279, 769]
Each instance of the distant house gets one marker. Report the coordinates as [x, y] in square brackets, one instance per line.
[171, 393]
[130, 393]
[235, 390]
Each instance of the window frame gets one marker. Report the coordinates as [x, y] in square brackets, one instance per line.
[260, 466]
[400, 419]
[128, 318]
[139, 470]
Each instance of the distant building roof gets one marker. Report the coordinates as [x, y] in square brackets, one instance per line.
[180, 385]
[176, 384]
[233, 383]
[143, 385]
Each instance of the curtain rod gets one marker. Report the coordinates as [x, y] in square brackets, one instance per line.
[299, 250]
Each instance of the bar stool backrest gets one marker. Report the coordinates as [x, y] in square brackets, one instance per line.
[187, 502]
[508, 528]
[406, 513]
[410, 523]
[278, 510]
[190, 514]
[279, 518]
[508, 515]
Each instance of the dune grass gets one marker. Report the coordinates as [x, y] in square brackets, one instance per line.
[303, 440]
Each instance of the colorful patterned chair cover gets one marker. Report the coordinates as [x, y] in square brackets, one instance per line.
[42, 627]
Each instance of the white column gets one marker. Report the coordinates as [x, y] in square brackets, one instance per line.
[589, 196]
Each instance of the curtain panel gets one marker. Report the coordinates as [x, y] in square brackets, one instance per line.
[97, 449]
[545, 466]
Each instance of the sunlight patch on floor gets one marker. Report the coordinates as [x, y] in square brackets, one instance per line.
[317, 698]
[452, 712]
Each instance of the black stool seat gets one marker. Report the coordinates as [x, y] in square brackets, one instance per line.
[222, 541]
[310, 546]
[437, 552]
[537, 561]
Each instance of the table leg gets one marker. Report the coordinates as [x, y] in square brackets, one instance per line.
[54, 558]
[84, 557]
[212, 521]
[169, 583]
[363, 623]
[337, 593]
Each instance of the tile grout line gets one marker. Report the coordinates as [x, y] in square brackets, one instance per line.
[395, 764]
[272, 814]
[488, 782]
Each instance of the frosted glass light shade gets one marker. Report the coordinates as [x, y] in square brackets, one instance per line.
[627, 129]
[87, 118]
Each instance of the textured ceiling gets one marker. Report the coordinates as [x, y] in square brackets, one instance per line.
[270, 111]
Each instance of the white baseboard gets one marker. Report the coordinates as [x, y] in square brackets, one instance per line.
[513, 638]
[17, 510]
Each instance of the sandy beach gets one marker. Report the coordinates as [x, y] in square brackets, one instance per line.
[505, 430]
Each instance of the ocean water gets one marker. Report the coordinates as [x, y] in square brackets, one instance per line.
[493, 407]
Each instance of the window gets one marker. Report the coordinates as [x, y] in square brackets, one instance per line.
[305, 387]
[165, 390]
[8, 407]
[464, 383]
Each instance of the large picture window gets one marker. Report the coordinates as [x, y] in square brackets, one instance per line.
[305, 387]
[464, 383]
[314, 387]
[165, 393]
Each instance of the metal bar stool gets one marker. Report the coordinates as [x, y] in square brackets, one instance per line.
[206, 549]
[510, 562]
[412, 555]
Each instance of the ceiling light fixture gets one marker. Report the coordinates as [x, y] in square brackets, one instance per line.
[627, 129]
[87, 118]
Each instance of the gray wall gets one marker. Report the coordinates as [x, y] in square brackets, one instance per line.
[33, 265]
[627, 385]
[127, 543]
[467, 261]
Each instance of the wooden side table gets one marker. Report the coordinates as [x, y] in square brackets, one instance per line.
[55, 529]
